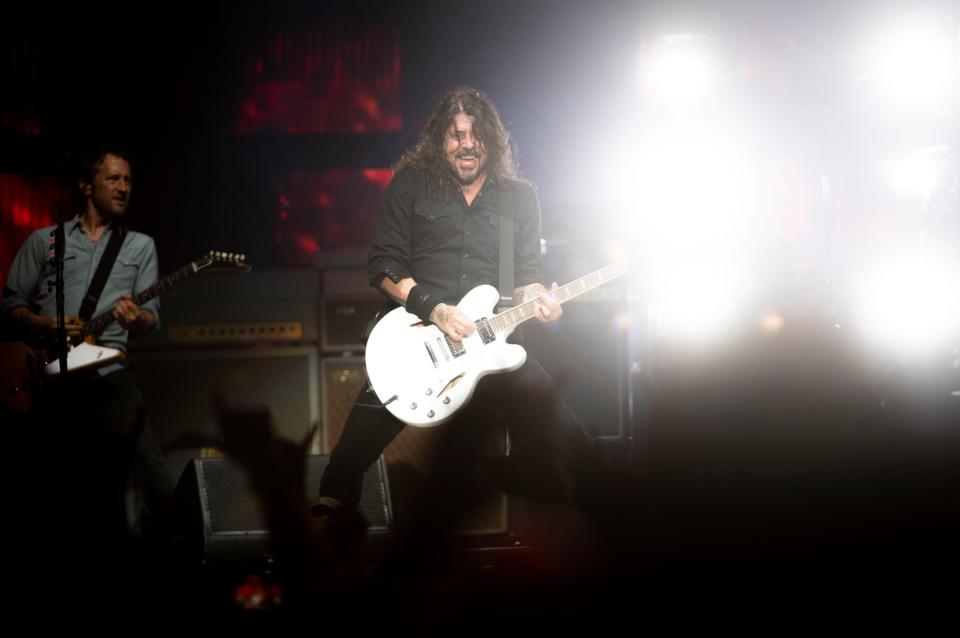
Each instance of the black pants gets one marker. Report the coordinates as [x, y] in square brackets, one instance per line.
[548, 444]
[97, 433]
[67, 468]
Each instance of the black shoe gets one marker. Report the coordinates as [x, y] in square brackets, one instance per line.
[323, 506]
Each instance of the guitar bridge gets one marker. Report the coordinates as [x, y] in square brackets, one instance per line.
[485, 331]
[456, 347]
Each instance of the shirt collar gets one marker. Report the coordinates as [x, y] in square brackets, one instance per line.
[76, 224]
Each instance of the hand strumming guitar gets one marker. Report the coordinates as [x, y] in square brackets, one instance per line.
[45, 326]
[452, 321]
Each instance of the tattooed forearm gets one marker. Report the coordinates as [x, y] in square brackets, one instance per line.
[439, 314]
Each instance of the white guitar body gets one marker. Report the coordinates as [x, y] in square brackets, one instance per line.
[416, 373]
[84, 356]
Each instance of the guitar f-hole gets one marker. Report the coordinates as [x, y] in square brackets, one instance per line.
[451, 384]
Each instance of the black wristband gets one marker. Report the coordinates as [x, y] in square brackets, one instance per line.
[421, 302]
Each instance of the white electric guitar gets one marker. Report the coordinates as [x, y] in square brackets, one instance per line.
[423, 377]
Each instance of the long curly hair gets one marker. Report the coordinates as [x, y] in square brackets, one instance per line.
[427, 155]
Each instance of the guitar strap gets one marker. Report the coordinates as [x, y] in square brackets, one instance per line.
[103, 272]
[506, 254]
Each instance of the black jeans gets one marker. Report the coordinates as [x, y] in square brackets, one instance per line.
[548, 444]
[69, 462]
[97, 431]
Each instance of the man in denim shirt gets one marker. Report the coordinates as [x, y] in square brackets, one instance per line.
[101, 414]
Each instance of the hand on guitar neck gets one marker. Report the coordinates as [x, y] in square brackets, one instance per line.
[548, 309]
[139, 321]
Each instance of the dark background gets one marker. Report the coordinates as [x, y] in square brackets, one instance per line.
[270, 128]
[231, 106]
[780, 458]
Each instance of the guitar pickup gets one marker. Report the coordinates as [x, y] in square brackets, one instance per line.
[433, 357]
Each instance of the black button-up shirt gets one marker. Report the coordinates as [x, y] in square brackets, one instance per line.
[450, 247]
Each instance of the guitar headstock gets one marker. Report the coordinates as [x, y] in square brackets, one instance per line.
[219, 260]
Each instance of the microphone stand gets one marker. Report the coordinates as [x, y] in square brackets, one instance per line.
[58, 256]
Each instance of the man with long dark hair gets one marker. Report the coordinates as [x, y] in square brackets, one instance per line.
[436, 238]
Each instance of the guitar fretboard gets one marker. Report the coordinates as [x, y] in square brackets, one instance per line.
[513, 317]
[104, 319]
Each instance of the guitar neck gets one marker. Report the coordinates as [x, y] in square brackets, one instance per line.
[104, 319]
[509, 319]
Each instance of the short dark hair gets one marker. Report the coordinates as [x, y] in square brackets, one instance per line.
[92, 160]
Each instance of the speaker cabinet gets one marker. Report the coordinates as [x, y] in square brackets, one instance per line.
[260, 306]
[178, 387]
[341, 380]
[344, 319]
[223, 518]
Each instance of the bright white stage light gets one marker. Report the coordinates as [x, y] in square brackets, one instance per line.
[681, 185]
[909, 303]
[679, 69]
[915, 174]
[698, 299]
[919, 173]
[685, 198]
[913, 63]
